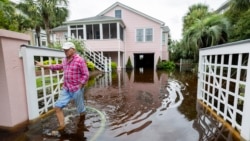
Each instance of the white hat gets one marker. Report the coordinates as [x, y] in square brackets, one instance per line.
[68, 45]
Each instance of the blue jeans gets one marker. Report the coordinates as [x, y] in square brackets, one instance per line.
[66, 96]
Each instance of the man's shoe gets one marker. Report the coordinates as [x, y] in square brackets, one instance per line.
[81, 120]
[60, 129]
[81, 125]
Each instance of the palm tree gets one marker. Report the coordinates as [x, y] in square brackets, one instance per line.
[238, 14]
[202, 29]
[198, 11]
[209, 31]
[46, 14]
[7, 13]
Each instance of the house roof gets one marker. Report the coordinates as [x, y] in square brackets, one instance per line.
[131, 9]
[165, 29]
[101, 18]
[60, 28]
[94, 19]
[224, 6]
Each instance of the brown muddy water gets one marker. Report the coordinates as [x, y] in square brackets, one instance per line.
[137, 105]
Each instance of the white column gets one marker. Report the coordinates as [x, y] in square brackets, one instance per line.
[101, 32]
[118, 30]
[69, 32]
[84, 32]
[119, 49]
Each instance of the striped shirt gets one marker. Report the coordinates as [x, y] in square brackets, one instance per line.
[75, 72]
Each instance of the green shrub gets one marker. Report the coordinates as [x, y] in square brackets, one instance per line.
[47, 62]
[113, 65]
[166, 65]
[129, 64]
[158, 65]
[90, 65]
[39, 81]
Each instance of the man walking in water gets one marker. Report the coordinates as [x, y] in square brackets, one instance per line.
[76, 75]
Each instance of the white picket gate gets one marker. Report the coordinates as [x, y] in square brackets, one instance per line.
[224, 83]
[41, 89]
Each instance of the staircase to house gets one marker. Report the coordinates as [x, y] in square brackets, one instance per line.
[101, 62]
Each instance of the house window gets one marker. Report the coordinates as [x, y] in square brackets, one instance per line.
[163, 38]
[118, 13]
[139, 35]
[113, 31]
[93, 31]
[144, 35]
[76, 31]
[109, 31]
[149, 34]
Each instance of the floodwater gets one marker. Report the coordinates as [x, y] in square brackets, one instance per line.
[135, 105]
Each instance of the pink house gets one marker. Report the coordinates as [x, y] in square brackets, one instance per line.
[121, 32]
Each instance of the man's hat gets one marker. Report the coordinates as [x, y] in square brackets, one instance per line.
[68, 45]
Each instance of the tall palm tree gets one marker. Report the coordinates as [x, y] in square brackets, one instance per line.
[197, 11]
[45, 14]
[209, 31]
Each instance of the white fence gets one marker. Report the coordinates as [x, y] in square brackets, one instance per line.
[42, 87]
[224, 83]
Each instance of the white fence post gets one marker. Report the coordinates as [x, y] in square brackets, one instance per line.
[245, 133]
[28, 54]
[30, 80]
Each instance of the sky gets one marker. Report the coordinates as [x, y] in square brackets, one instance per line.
[171, 12]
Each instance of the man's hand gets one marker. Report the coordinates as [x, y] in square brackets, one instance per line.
[39, 64]
[81, 86]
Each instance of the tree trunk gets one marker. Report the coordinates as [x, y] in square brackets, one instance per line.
[38, 31]
[47, 30]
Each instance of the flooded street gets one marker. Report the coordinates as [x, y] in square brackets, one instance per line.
[136, 105]
[146, 106]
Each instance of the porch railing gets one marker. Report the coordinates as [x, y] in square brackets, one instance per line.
[224, 83]
[101, 62]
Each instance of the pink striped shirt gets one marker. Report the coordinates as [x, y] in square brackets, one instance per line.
[75, 72]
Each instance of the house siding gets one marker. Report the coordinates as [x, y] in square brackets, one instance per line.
[106, 45]
[132, 22]
[127, 48]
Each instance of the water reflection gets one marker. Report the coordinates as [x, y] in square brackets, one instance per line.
[209, 128]
[135, 99]
[149, 105]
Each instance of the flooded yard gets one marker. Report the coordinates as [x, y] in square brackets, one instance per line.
[136, 105]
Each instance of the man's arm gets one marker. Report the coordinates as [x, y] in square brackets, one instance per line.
[85, 73]
[40, 64]
[51, 67]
